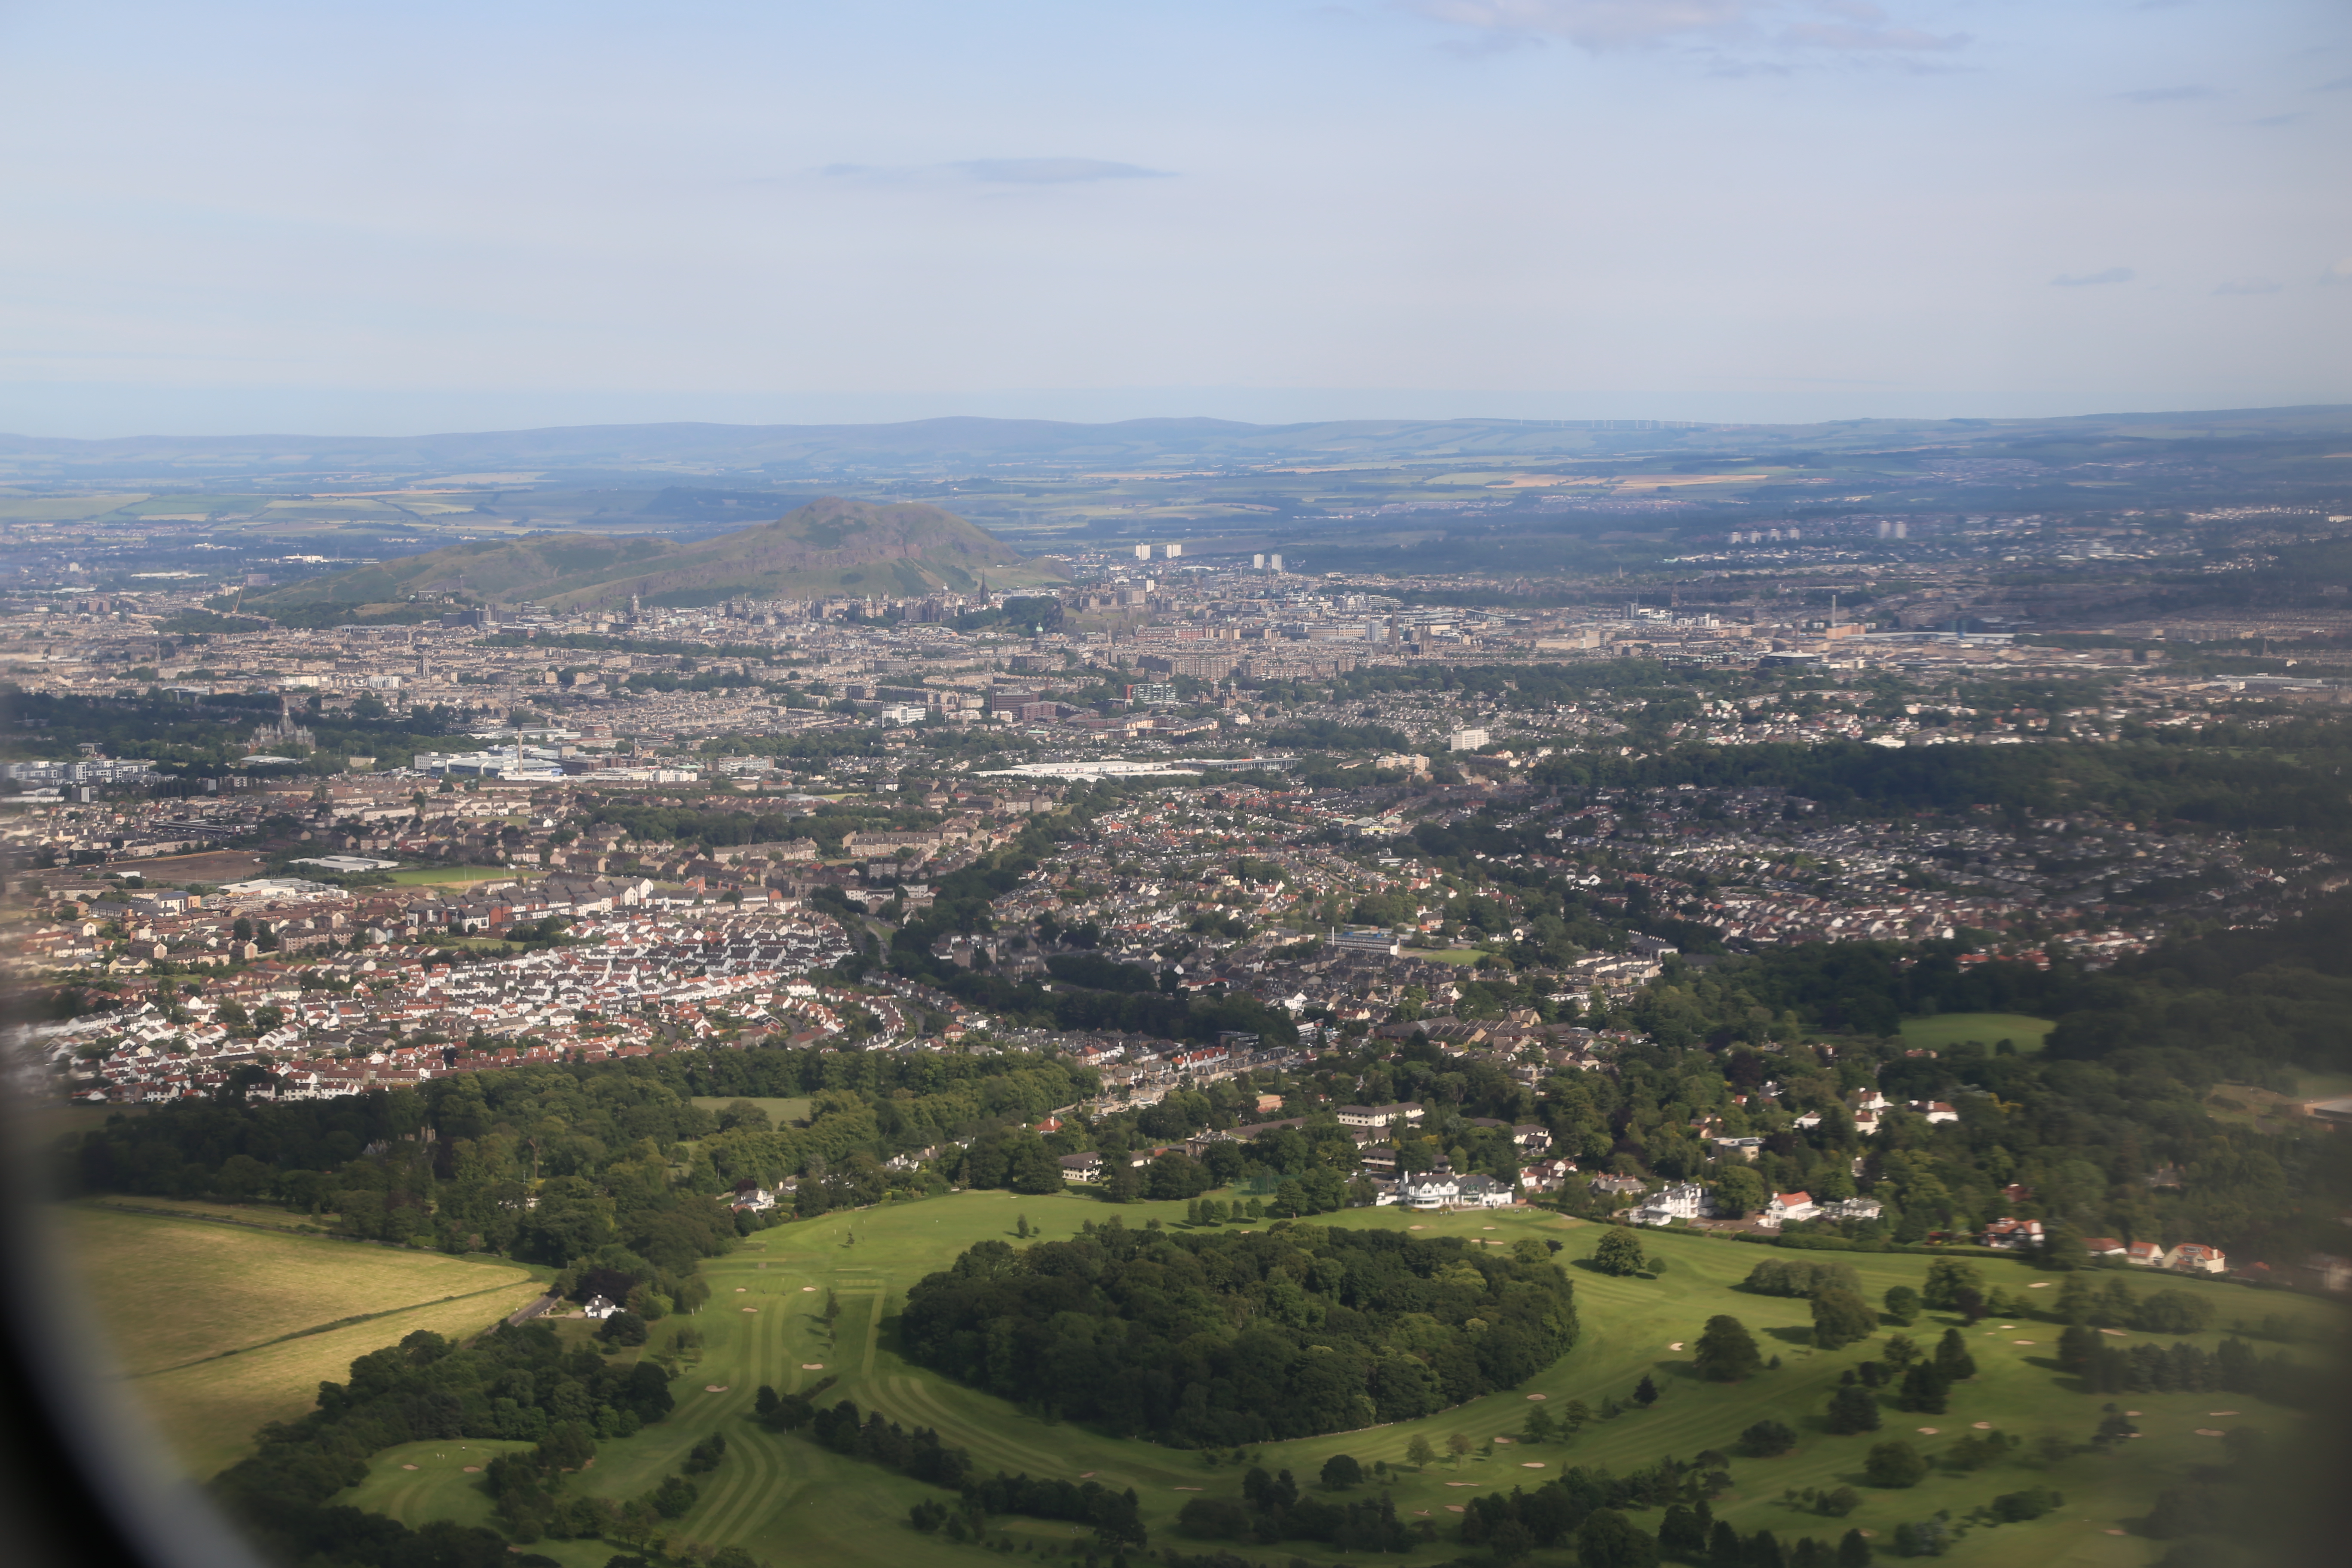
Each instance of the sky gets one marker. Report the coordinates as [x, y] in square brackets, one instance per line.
[340, 219]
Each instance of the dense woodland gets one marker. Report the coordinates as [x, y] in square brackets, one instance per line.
[1223, 1339]
[626, 1171]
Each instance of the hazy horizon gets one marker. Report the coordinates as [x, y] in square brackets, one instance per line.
[268, 218]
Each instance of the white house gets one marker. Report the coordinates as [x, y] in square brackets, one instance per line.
[1746, 1148]
[1852, 1208]
[1475, 1191]
[2194, 1258]
[1681, 1200]
[600, 1308]
[2147, 1254]
[1782, 1208]
[1430, 1190]
[1087, 1167]
[1377, 1115]
[1808, 1121]
[1935, 1110]
[751, 1196]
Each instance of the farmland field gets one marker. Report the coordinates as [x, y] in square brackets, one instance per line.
[787, 1500]
[220, 1329]
[1945, 1030]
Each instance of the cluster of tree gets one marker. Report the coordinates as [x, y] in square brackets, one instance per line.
[2234, 1367]
[515, 1383]
[1511, 1524]
[1116, 1517]
[595, 1143]
[526, 1489]
[1690, 1535]
[206, 735]
[1220, 1339]
[1273, 1508]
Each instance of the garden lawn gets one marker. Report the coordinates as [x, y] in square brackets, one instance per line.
[786, 1501]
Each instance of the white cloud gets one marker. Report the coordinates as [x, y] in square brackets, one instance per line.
[1593, 23]
[1856, 25]
[2248, 285]
[2339, 273]
[2085, 279]
[997, 172]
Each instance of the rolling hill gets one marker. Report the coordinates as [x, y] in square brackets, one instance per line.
[829, 546]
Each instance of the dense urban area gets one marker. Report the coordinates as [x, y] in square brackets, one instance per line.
[1858, 880]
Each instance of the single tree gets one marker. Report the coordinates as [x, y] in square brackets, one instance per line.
[1947, 1278]
[1764, 1550]
[1854, 1549]
[1903, 1305]
[1925, 1390]
[1723, 1547]
[1342, 1472]
[1458, 1444]
[1852, 1409]
[1620, 1252]
[1841, 1317]
[1609, 1540]
[1894, 1464]
[1541, 1427]
[1952, 1358]
[1971, 1303]
[1418, 1453]
[1645, 1393]
[1577, 1413]
[1767, 1438]
[1902, 1349]
[1738, 1191]
[1682, 1534]
[1727, 1351]
[1021, 1226]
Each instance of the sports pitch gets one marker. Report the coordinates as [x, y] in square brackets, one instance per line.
[786, 1501]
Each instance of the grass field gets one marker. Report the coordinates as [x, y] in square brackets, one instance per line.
[787, 1500]
[1946, 1030]
[783, 1112]
[260, 1216]
[220, 1329]
[435, 876]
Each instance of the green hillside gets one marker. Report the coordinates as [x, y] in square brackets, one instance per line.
[829, 546]
[784, 1498]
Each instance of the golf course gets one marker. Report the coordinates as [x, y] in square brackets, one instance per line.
[784, 1498]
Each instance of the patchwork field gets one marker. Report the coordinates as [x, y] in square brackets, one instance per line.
[786, 1501]
[220, 1329]
[1945, 1030]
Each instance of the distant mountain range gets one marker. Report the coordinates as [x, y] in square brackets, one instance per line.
[829, 546]
[796, 454]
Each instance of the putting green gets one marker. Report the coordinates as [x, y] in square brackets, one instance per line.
[786, 1501]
